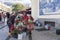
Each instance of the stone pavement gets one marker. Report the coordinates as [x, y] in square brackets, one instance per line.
[43, 35]
[36, 35]
[3, 32]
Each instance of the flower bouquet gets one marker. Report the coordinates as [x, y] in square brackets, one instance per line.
[19, 27]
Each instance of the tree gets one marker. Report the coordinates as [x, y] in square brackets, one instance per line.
[18, 6]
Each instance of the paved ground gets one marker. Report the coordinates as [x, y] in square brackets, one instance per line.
[36, 35]
[3, 32]
[43, 35]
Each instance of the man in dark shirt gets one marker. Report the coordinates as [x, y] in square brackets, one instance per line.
[7, 15]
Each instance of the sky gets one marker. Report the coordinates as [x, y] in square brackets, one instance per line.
[11, 2]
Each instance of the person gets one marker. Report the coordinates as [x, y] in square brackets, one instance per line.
[25, 18]
[12, 18]
[9, 24]
[30, 17]
[30, 26]
[7, 15]
[0, 17]
[3, 17]
[11, 21]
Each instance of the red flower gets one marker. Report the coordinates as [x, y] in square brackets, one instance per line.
[17, 21]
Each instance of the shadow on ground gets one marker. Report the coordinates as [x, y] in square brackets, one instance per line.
[41, 29]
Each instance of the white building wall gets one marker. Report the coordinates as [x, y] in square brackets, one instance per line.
[34, 5]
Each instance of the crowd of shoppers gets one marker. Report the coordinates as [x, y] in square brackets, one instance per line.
[18, 22]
